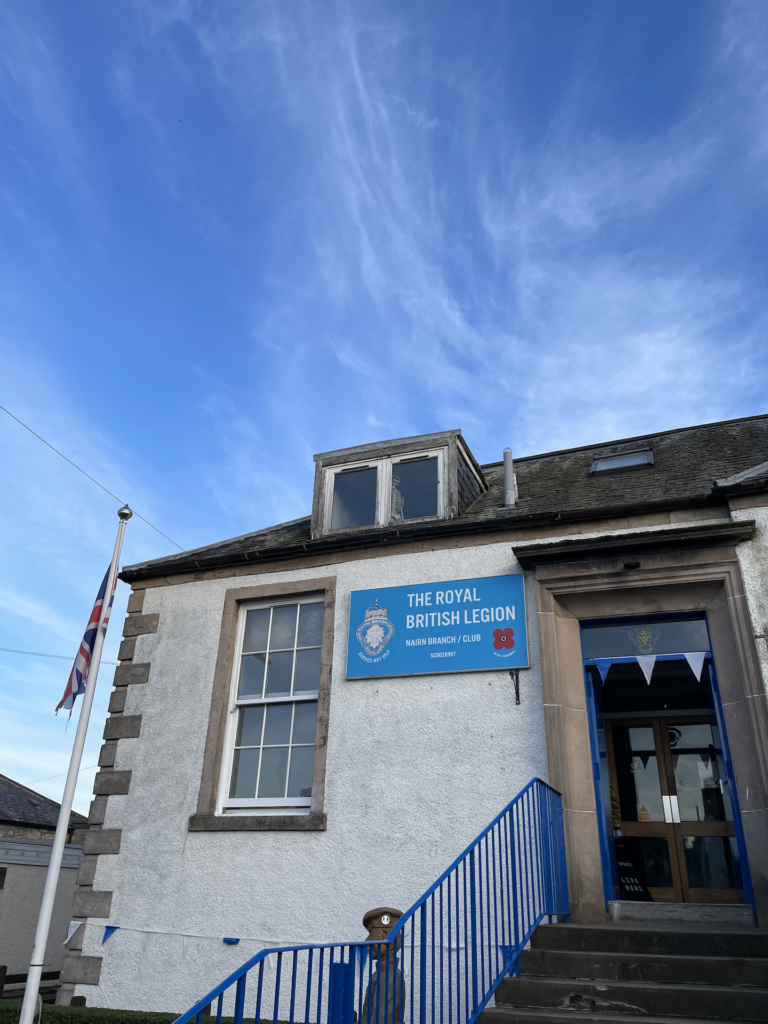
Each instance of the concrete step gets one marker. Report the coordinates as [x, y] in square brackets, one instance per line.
[661, 969]
[611, 938]
[525, 1015]
[722, 916]
[635, 997]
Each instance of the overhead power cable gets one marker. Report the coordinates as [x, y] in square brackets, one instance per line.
[39, 654]
[47, 777]
[90, 477]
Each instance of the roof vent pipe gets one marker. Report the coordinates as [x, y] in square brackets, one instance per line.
[510, 480]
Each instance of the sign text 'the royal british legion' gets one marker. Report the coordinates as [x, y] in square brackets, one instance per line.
[428, 628]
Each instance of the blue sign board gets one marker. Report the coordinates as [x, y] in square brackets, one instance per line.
[459, 626]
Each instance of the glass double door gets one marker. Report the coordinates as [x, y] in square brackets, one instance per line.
[672, 818]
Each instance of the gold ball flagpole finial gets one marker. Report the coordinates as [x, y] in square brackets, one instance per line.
[124, 513]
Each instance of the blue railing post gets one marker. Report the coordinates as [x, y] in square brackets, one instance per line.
[473, 926]
[240, 999]
[423, 965]
[564, 907]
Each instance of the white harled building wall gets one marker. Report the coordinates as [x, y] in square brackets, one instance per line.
[753, 559]
[416, 768]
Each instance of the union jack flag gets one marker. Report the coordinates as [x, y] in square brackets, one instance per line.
[79, 674]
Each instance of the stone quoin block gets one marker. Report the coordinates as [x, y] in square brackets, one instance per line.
[97, 811]
[122, 728]
[136, 601]
[126, 675]
[107, 754]
[117, 701]
[86, 872]
[109, 782]
[89, 903]
[136, 625]
[81, 970]
[102, 840]
[127, 649]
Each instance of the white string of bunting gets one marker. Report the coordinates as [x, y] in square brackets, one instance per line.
[188, 938]
[647, 661]
[147, 934]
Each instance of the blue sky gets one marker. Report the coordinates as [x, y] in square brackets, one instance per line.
[233, 235]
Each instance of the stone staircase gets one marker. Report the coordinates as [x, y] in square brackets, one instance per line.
[658, 974]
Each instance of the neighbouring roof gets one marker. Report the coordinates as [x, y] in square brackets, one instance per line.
[22, 806]
[696, 465]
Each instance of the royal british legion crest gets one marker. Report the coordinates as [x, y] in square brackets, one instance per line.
[375, 633]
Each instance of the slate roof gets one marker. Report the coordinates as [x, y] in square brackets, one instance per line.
[692, 466]
[22, 806]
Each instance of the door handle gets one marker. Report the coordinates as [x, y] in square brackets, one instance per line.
[671, 810]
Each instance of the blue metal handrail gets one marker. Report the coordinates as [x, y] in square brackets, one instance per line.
[447, 954]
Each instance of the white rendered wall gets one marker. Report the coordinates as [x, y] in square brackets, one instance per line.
[416, 768]
[753, 557]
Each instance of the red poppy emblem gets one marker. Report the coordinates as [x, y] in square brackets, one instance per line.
[503, 638]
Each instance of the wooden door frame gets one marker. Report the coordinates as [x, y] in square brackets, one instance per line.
[661, 829]
[672, 832]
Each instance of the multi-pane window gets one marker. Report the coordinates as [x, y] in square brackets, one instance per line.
[278, 677]
[387, 491]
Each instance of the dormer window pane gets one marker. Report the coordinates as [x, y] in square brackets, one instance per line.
[414, 489]
[354, 498]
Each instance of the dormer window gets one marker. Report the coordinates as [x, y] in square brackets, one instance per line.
[622, 460]
[387, 491]
[388, 484]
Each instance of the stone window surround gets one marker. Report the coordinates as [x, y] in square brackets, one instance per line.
[590, 586]
[206, 819]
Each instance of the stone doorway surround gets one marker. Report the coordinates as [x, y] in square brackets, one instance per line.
[681, 569]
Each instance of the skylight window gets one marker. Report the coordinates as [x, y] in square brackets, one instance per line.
[624, 460]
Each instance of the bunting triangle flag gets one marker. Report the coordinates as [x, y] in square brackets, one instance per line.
[187, 942]
[646, 663]
[603, 664]
[145, 938]
[73, 926]
[109, 931]
[696, 661]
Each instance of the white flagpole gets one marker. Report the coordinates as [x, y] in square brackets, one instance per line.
[57, 851]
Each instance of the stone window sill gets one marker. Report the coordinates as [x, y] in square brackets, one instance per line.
[257, 823]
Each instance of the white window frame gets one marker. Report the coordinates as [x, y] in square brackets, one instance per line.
[384, 487]
[225, 803]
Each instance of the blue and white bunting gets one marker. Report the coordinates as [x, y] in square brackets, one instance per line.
[646, 663]
[696, 660]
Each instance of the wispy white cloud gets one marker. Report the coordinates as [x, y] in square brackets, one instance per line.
[37, 94]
